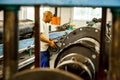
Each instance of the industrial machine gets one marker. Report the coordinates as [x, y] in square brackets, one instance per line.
[11, 8]
[79, 53]
[25, 55]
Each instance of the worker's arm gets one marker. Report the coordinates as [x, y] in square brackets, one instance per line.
[50, 42]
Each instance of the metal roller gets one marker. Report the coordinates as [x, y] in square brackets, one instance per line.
[82, 48]
[78, 64]
[80, 57]
[45, 74]
[82, 32]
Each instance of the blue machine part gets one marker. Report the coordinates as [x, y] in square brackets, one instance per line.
[26, 43]
[54, 35]
[22, 44]
[101, 3]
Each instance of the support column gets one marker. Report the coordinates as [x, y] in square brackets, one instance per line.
[101, 74]
[37, 37]
[10, 37]
[115, 46]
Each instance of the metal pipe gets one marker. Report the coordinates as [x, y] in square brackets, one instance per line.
[114, 60]
[37, 37]
[101, 74]
[55, 12]
[10, 38]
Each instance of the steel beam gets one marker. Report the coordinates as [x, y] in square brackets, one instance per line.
[102, 3]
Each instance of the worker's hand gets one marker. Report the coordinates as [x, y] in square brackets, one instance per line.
[52, 44]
